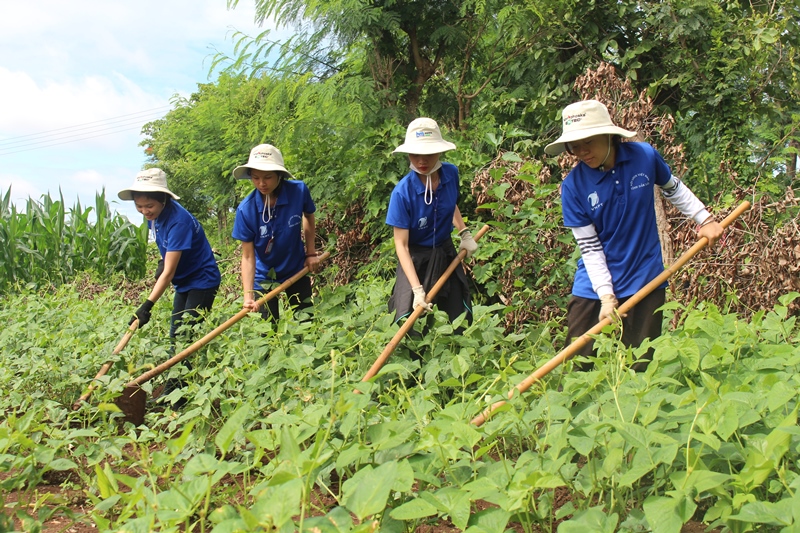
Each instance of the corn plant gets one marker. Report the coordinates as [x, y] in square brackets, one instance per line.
[48, 244]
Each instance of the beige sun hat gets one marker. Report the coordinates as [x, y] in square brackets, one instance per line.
[150, 180]
[262, 157]
[423, 137]
[582, 120]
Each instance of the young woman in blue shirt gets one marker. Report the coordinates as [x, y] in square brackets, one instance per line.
[423, 209]
[277, 228]
[608, 203]
[187, 261]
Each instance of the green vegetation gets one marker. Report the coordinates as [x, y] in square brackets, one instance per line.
[46, 243]
[274, 435]
[274, 438]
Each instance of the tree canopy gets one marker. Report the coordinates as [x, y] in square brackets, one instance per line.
[495, 73]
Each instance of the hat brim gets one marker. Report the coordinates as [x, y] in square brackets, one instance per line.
[559, 145]
[127, 194]
[425, 148]
[242, 172]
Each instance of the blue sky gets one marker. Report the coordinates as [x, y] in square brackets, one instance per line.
[78, 80]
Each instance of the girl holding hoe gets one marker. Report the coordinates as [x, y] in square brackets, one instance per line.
[423, 209]
[277, 228]
[187, 259]
[608, 202]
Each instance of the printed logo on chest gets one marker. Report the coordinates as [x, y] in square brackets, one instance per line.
[640, 181]
[422, 223]
[594, 201]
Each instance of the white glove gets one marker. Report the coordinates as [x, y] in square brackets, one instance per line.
[467, 242]
[608, 307]
[419, 298]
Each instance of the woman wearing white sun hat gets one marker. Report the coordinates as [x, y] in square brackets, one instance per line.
[187, 261]
[607, 201]
[277, 228]
[423, 210]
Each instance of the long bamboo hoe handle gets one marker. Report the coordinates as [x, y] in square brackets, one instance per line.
[382, 358]
[104, 369]
[172, 361]
[578, 343]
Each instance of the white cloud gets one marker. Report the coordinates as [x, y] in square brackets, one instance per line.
[85, 64]
[21, 189]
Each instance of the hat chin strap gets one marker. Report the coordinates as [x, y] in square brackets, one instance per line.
[608, 153]
[428, 196]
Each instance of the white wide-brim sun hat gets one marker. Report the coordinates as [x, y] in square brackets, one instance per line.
[582, 120]
[423, 137]
[263, 157]
[150, 180]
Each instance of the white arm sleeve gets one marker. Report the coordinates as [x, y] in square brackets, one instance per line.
[594, 259]
[684, 200]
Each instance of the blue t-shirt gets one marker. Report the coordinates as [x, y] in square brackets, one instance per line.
[619, 203]
[177, 230]
[282, 234]
[427, 225]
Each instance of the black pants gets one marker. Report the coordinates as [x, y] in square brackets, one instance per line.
[299, 294]
[642, 322]
[454, 296]
[186, 305]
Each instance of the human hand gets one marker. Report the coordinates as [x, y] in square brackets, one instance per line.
[711, 230]
[250, 303]
[608, 307]
[419, 298]
[467, 242]
[142, 314]
[312, 263]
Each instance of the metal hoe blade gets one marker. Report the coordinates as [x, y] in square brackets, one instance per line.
[132, 403]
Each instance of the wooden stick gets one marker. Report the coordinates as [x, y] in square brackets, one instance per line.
[419, 310]
[150, 374]
[584, 339]
[105, 368]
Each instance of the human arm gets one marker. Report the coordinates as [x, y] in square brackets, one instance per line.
[404, 258]
[248, 267]
[687, 203]
[310, 235]
[594, 260]
[171, 260]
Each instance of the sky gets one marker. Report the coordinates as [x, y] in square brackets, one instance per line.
[79, 79]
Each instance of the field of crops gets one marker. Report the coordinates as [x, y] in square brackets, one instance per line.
[275, 438]
[46, 242]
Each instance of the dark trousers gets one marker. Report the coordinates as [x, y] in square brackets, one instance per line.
[186, 305]
[454, 296]
[185, 308]
[642, 322]
[299, 294]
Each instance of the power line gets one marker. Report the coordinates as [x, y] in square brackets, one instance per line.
[86, 124]
[76, 134]
[80, 132]
[43, 145]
